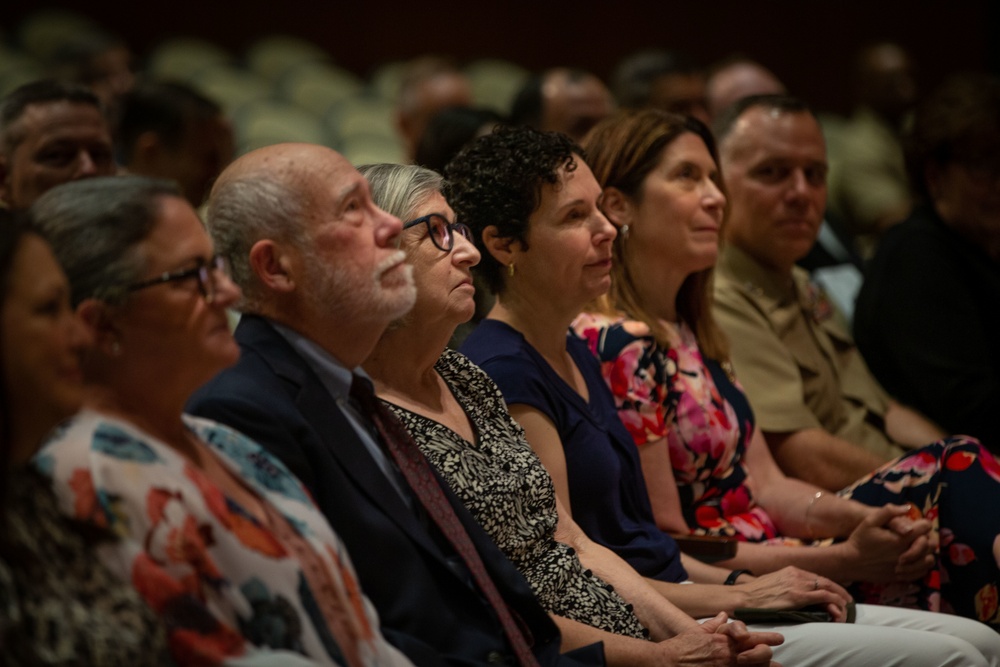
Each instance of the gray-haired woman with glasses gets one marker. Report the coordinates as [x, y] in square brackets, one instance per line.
[216, 535]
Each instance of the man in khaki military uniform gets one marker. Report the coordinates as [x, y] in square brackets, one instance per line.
[822, 413]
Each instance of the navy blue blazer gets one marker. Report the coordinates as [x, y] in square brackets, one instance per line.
[427, 601]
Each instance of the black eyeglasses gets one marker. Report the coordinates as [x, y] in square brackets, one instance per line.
[205, 273]
[440, 230]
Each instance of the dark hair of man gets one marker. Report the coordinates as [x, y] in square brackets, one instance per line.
[958, 123]
[529, 104]
[497, 181]
[164, 107]
[633, 78]
[74, 59]
[449, 131]
[46, 91]
[785, 103]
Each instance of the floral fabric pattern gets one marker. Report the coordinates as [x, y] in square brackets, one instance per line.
[229, 588]
[508, 490]
[710, 427]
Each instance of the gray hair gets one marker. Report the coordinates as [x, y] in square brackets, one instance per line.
[95, 226]
[242, 212]
[398, 189]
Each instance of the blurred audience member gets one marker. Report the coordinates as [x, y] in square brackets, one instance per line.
[449, 131]
[169, 130]
[58, 604]
[869, 187]
[927, 318]
[429, 85]
[50, 133]
[98, 60]
[218, 536]
[825, 418]
[736, 78]
[663, 80]
[564, 100]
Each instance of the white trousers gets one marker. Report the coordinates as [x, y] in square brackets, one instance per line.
[887, 636]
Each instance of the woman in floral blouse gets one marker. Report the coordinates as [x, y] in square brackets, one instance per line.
[218, 536]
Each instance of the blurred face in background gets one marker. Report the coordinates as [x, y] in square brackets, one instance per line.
[42, 342]
[55, 142]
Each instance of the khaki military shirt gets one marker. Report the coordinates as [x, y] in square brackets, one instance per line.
[794, 357]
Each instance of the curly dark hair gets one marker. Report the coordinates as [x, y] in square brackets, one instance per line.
[497, 181]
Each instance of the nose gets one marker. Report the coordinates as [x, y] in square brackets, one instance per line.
[604, 230]
[713, 198]
[86, 166]
[387, 229]
[79, 335]
[799, 187]
[226, 292]
[464, 253]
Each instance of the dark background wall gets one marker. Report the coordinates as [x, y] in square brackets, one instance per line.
[808, 43]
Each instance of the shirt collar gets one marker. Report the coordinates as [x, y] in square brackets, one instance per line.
[334, 375]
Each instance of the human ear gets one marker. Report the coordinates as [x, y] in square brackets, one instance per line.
[272, 266]
[96, 316]
[617, 207]
[500, 247]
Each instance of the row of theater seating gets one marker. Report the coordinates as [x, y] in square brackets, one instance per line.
[282, 88]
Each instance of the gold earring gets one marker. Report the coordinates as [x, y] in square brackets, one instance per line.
[510, 270]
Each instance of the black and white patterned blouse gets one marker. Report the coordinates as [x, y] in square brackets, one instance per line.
[508, 490]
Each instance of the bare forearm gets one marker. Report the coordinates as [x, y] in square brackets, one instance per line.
[815, 456]
[800, 509]
[760, 559]
[910, 428]
[661, 617]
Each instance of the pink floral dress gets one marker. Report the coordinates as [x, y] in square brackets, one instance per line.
[708, 423]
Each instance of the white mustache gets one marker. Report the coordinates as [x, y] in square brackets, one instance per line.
[391, 261]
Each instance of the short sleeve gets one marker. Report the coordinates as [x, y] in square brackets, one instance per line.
[636, 370]
[766, 368]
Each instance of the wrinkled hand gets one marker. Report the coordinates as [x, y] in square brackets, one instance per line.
[888, 546]
[792, 588]
[715, 643]
[754, 647]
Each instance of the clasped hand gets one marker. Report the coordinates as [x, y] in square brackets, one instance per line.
[890, 546]
[720, 642]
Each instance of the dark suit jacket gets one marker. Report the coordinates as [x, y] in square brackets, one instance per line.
[427, 601]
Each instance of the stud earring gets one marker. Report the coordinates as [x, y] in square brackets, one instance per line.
[623, 232]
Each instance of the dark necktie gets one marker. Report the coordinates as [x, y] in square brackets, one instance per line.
[425, 487]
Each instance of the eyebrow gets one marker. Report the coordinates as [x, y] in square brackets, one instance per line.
[569, 205]
[348, 191]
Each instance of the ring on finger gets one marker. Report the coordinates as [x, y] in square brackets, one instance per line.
[816, 584]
